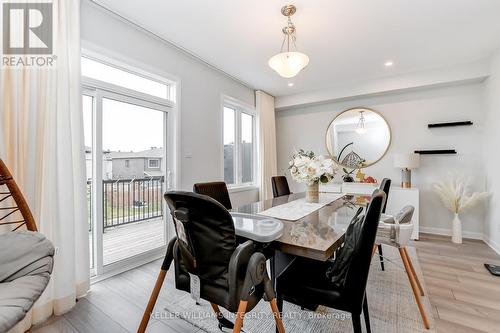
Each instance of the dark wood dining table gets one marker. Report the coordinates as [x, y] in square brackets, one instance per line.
[316, 236]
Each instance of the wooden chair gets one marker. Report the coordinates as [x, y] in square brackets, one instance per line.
[9, 189]
[396, 232]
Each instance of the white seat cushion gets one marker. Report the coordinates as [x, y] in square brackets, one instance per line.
[25, 267]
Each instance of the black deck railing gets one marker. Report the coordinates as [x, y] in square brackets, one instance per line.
[129, 200]
[132, 200]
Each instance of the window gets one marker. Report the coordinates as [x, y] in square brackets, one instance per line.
[127, 163]
[238, 143]
[154, 163]
[100, 71]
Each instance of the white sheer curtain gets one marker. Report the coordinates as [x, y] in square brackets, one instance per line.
[41, 141]
[267, 142]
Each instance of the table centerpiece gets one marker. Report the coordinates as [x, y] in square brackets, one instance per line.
[306, 167]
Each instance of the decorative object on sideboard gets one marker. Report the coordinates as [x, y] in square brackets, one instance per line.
[451, 124]
[360, 176]
[288, 63]
[406, 162]
[357, 138]
[436, 152]
[454, 193]
[347, 177]
[306, 167]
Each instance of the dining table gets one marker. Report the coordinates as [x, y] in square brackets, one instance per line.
[315, 236]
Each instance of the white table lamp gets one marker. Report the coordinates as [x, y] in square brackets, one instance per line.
[406, 162]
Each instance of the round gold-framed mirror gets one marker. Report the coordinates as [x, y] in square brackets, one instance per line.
[358, 137]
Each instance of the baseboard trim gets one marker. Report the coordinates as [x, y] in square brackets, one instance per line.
[447, 232]
[495, 246]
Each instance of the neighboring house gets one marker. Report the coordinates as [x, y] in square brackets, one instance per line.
[129, 165]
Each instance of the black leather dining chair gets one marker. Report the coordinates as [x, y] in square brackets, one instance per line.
[342, 285]
[232, 276]
[280, 186]
[215, 190]
[385, 186]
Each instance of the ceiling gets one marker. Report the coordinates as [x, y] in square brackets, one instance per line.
[348, 41]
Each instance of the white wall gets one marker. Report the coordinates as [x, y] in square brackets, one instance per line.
[491, 152]
[408, 114]
[201, 89]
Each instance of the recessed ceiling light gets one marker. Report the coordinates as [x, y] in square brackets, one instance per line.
[290, 84]
[388, 63]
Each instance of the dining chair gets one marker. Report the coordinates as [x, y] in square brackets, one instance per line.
[280, 186]
[215, 190]
[397, 232]
[205, 249]
[385, 186]
[342, 285]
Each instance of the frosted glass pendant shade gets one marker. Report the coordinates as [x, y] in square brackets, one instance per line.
[288, 64]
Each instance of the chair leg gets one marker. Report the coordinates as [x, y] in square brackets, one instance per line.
[381, 256]
[374, 249]
[223, 322]
[239, 316]
[152, 301]
[356, 323]
[277, 316]
[413, 272]
[366, 315]
[414, 288]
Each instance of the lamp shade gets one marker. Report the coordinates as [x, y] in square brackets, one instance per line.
[288, 64]
[406, 161]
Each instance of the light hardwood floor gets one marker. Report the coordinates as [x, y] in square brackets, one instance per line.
[464, 296]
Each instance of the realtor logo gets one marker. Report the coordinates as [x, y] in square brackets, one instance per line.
[27, 28]
[27, 34]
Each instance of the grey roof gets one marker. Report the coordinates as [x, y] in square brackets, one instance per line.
[150, 153]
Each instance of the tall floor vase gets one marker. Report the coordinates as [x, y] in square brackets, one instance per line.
[456, 236]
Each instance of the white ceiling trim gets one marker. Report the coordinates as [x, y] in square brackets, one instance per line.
[169, 43]
[467, 73]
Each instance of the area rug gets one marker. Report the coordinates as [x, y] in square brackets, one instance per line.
[391, 303]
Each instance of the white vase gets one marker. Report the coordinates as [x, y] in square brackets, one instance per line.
[312, 193]
[456, 236]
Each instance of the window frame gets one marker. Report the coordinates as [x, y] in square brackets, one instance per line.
[153, 159]
[99, 90]
[239, 107]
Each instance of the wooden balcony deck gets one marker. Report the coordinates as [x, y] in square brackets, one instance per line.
[131, 239]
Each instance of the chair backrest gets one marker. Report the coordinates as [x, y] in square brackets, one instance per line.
[9, 189]
[397, 232]
[280, 186]
[215, 190]
[385, 186]
[405, 215]
[205, 233]
[366, 231]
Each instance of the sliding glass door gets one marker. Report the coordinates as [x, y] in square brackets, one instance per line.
[127, 164]
[134, 159]
[126, 116]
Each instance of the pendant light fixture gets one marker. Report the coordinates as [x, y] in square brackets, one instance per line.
[290, 63]
[361, 127]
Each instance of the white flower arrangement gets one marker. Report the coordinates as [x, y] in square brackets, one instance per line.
[305, 167]
[453, 192]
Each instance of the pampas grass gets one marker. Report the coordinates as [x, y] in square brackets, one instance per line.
[453, 192]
